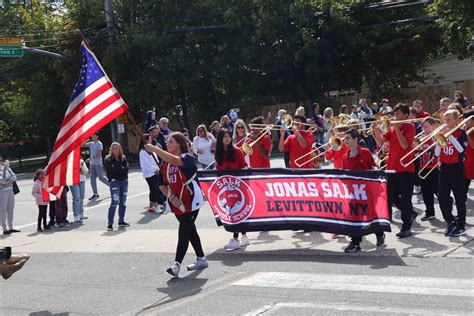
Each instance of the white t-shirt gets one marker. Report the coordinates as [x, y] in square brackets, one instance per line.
[205, 145]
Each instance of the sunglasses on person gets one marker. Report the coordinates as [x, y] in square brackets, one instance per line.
[240, 127]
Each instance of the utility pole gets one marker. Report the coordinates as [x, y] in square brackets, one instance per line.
[109, 20]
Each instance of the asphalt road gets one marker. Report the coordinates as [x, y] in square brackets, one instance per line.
[83, 269]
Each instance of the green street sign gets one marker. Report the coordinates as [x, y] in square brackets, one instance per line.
[11, 51]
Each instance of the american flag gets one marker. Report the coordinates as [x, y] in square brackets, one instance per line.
[94, 102]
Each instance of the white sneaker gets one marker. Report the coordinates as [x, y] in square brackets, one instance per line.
[174, 269]
[417, 189]
[244, 241]
[84, 216]
[158, 209]
[233, 244]
[201, 263]
[77, 219]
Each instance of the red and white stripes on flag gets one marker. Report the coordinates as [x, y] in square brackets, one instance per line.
[93, 103]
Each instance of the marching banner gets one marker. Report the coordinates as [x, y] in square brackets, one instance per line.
[352, 203]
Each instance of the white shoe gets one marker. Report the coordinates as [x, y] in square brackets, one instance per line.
[417, 189]
[77, 219]
[244, 241]
[174, 269]
[233, 244]
[158, 211]
[201, 263]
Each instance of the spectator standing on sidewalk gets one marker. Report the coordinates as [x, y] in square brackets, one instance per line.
[95, 164]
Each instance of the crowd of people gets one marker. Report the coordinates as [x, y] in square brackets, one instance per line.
[431, 154]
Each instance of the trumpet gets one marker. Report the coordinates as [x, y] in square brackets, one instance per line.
[335, 143]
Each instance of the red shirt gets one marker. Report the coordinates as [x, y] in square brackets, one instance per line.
[396, 151]
[238, 163]
[336, 155]
[293, 146]
[469, 160]
[422, 114]
[257, 160]
[175, 177]
[426, 157]
[449, 154]
[363, 160]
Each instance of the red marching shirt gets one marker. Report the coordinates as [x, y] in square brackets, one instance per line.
[292, 145]
[363, 160]
[240, 140]
[238, 163]
[449, 154]
[257, 160]
[427, 156]
[336, 155]
[469, 160]
[396, 151]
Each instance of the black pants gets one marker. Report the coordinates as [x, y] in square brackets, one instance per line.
[451, 178]
[52, 212]
[187, 233]
[236, 235]
[286, 157]
[156, 196]
[468, 183]
[416, 179]
[42, 209]
[357, 240]
[429, 188]
[400, 191]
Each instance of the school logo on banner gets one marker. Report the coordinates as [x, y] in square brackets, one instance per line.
[231, 199]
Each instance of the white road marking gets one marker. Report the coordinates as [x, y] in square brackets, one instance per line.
[86, 209]
[268, 309]
[368, 283]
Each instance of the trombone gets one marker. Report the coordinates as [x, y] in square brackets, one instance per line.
[423, 177]
[287, 122]
[419, 144]
[335, 143]
[247, 148]
[341, 119]
[440, 139]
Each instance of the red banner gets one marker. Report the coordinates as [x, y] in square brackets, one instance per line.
[352, 203]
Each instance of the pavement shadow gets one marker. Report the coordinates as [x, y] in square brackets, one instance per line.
[420, 247]
[314, 238]
[96, 202]
[377, 259]
[115, 232]
[55, 230]
[48, 313]
[148, 217]
[177, 289]
[265, 238]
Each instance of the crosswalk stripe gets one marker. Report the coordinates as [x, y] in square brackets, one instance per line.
[338, 308]
[368, 283]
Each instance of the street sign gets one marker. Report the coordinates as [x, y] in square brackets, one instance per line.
[11, 51]
[8, 40]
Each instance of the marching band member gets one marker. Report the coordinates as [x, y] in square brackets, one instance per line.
[177, 182]
[229, 157]
[429, 165]
[444, 103]
[336, 155]
[415, 111]
[451, 175]
[297, 144]
[358, 158]
[400, 184]
[260, 157]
